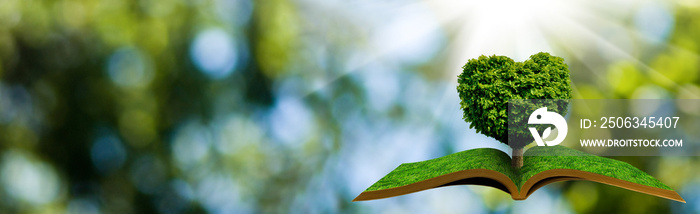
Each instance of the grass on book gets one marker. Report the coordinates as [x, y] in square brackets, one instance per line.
[559, 157]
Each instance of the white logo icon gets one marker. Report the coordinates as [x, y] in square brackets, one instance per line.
[542, 116]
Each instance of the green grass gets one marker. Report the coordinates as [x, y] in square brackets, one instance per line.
[483, 158]
[558, 157]
[539, 159]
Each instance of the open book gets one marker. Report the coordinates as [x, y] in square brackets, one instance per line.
[491, 167]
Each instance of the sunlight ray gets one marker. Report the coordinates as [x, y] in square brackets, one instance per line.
[647, 39]
[610, 47]
[377, 53]
[575, 51]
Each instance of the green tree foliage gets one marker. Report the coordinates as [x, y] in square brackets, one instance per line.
[488, 84]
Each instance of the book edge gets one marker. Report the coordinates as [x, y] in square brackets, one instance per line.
[556, 175]
[440, 181]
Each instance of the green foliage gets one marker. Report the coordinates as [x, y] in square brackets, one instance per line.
[482, 158]
[537, 160]
[488, 84]
[543, 158]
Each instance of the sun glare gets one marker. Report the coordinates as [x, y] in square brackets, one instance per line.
[503, 27]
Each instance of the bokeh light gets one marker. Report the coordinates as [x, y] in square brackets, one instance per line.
[290, 121]
[29, 180]
[214, 52]
[191, 145]
[655, 21]
[127, 67]
[297, 106]
[108, 154]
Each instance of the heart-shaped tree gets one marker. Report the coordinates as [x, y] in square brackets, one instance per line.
[488, 83]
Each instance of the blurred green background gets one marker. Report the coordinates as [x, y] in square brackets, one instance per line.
[276, 106]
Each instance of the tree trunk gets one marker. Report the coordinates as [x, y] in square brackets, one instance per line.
[517, 158]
